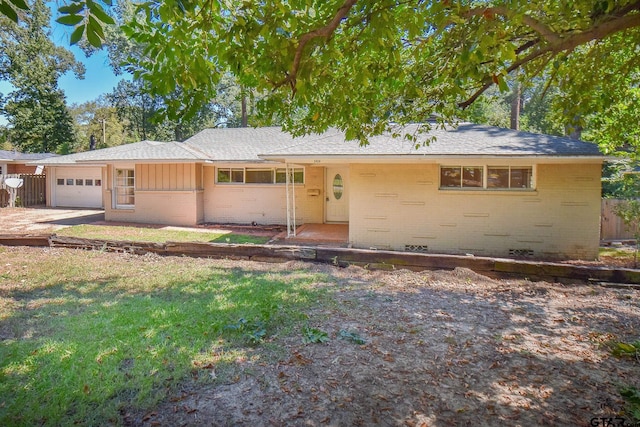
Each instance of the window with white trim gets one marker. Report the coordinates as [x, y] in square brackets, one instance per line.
[461, 176]
[258, 175]
[124, 187]
[486, 177]
[512, 177]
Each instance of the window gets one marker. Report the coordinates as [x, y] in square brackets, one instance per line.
[97, 182]
[257, 176]
[298, 176]
[79, 182]
[509, 177]
[338, 187]
[461, 177]
[69, 181]
[60, 181]
[88, 182]
[125, 188]
[230, 175]
[497, 177]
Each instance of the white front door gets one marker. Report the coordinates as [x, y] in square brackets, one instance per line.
[337, 194]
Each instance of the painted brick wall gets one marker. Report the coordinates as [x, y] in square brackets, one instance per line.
[264, 204]
[393, 206]
[165, 194]
[20, 168]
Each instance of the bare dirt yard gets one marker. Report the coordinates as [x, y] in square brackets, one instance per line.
[439, 348]
[433, 348]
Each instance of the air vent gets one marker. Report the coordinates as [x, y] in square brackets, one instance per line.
[416, 248]
[521, 253]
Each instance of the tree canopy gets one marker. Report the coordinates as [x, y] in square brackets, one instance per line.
[362, 65]
[36, 112]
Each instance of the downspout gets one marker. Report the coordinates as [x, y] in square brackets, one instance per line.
[286, 189]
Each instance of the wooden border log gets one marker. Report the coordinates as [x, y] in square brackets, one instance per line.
[411, 261]
[24, 239]
[547, 270]
[242, 251]
[139, 248]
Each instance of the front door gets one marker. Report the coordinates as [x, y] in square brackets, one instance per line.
[337, 194]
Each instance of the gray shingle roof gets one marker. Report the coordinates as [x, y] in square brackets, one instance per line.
[241, 144]
[143, 150]
[271, 143]
[465, 140]
[8, 155]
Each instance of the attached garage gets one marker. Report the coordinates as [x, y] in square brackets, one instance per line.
[75, 187]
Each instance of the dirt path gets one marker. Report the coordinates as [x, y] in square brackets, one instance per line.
[441, 348]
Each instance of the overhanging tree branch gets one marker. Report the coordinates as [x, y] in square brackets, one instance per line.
[304, 39]
[565, 43]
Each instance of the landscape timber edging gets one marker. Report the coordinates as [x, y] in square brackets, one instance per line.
[372, 259]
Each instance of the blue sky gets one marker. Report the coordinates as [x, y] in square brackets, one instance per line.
[99, 78]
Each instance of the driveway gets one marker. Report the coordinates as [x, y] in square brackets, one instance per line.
[45, 220]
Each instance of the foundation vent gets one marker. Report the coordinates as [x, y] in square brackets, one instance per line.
[523, 253]
[416, 248]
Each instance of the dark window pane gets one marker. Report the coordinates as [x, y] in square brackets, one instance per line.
[498, 177]
[259, 176]
[450, 177]
[521, 177]
[224, 175]
[472, 177]
[237, 175]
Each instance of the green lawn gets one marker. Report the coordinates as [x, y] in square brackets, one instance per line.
[156, 235]
[84, 335]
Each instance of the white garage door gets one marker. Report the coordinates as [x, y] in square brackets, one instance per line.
[78, 187]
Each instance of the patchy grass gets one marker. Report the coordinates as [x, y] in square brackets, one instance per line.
[621, 257]
[156, 235]
[86, 335]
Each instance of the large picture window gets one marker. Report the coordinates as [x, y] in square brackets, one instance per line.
[461, 177]
[125, 188]
[497, 177]
[257, 176]
[509, 177]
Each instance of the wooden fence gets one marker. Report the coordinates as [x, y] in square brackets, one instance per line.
[611, 226]
[32, 193]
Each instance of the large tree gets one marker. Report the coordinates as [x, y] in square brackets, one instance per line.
[38, 119]
[363, 64]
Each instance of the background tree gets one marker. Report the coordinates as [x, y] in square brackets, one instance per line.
[38, 119]
[362, 65]
[100, 119]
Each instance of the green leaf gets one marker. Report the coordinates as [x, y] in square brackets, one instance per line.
[95, 35]
[76, 36]
[7, 10]
[72, 8]
[502, 84]
[70, 20]
[99, 13]
[20, 4]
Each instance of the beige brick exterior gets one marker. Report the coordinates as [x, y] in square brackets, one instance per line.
[262, 203]
[393, 206]
[165, 194]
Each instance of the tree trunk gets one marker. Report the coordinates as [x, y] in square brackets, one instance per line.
[515, 107]
[243, 103]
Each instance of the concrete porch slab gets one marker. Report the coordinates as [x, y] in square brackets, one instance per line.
[317, 234]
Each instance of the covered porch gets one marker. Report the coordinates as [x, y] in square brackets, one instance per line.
[318, 234]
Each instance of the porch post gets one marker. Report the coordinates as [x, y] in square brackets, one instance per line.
[292, 180]
[286, 189]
